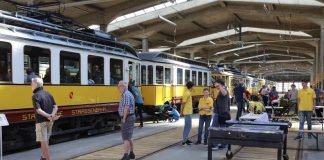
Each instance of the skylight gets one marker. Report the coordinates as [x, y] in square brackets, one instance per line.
[284, 2]
[231, 32]
[147, 10]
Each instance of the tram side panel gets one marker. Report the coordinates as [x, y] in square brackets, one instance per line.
[65, 97]
[156, 95]
[84, 109]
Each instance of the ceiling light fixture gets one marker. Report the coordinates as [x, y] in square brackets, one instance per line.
[235, 49]
[212, 42]
[236, 54]
[167, 21]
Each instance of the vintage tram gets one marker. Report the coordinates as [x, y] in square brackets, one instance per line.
[164, 75]
[80, 68]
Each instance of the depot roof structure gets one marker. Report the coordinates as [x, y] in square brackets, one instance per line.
[278, 39]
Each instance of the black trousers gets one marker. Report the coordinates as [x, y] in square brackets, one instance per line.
[140, 112]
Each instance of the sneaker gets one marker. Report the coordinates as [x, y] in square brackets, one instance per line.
[214, 147]
[197, 143]
[125, 157]
[186, 144]
[131, 155]
[298, 138]
[42, 158]
[188, 141]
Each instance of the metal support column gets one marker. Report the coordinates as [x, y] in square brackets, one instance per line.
[145, 45]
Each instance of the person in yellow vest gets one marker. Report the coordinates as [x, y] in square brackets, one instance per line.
[186, 111]
[205, 115]
[306, 107]
[255, 105]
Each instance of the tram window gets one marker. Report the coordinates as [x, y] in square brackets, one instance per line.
[167, 75]
[199, 78]
[150, 74]
[180, 76]
[143, 74]
[69, 67]
[194, 77]
[187, 76]
[37, 63]
[116, 71]
[205, 79]
[95, 70]
[159, 74]
[5, 62]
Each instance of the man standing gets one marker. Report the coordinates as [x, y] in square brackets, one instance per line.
[205, 114]
[45, 113]
[221, 107]
[306, 106]
[186, 111]
[318, 94]
[264, 94]
[126, 112]
[239, 93]
[292, 95]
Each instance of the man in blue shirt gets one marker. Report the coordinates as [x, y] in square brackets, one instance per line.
[138, 101]
[239, 93]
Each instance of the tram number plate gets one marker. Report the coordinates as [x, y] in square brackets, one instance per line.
[3, 120]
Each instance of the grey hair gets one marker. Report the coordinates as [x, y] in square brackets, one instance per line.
[39, 81]
[123, 83]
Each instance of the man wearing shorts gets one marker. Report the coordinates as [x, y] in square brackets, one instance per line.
[126, 112]
[45, 113]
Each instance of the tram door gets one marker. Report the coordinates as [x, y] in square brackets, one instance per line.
[167, 84]
[134, 72]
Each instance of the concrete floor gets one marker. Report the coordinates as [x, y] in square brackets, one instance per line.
[84, 146]
[193, 152]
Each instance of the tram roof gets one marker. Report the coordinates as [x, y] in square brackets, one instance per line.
[164, 57]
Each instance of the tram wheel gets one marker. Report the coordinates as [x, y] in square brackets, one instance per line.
[285, 157]
[229, 155]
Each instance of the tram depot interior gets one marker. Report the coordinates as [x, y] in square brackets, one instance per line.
[83, 48]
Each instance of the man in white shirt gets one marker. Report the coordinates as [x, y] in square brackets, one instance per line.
[264, 94]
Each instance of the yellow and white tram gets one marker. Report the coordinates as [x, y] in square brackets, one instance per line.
[164, 75]
[80, 69]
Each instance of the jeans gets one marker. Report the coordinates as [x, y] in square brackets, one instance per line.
[203, 119]
[247, 105]
[265, 100]
[319, 112]
[217, 124]
[302, 115]
[240, 105]
[187, 127]
[140, 112]
[317, 100]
